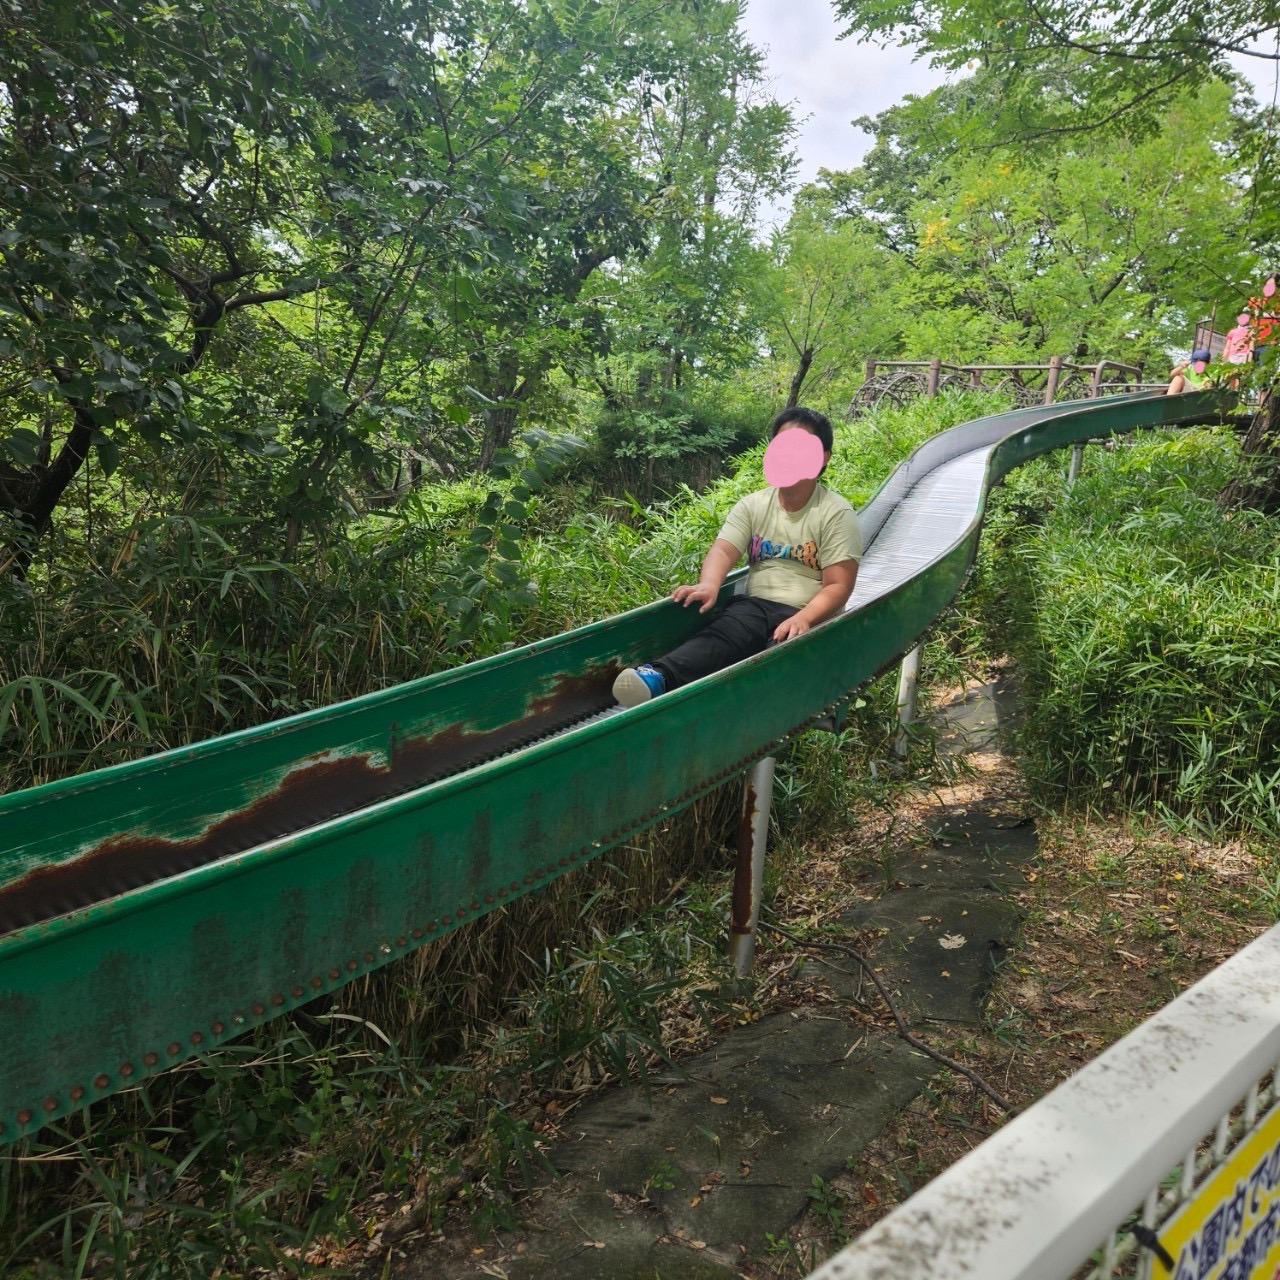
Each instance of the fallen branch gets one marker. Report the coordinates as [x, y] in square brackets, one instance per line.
[899, 1022]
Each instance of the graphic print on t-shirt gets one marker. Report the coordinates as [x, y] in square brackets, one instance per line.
[763, 549]
[789, 550]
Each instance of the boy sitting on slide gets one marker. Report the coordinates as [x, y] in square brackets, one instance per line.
[803, 544]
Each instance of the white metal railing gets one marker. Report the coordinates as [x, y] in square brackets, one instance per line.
[1143, 1137]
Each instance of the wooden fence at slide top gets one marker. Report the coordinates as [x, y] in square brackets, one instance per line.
[898, 381]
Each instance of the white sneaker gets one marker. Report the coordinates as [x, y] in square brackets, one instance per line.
[635, 685]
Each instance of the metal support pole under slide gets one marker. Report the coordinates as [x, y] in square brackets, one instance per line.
[748, 876]
[908, 687]
[1073, 471]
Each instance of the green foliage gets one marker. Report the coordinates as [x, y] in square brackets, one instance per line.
[188, 626]
[1103, 247]
[269, 1146]
[597, 1010]
[1066, 67]
[824, 775]
[1144, 620]
[333, 246]
[836, 299]
[649, 452]
[1087, 255]
[662, 1177]
[1267, 896]
[690, 312]
[825, 1202]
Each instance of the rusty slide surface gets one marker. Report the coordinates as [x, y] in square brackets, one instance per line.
[318, 789]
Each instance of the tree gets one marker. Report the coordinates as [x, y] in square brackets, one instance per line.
[322, 233]
[1124, 62]
[130, 202]
[716, 146]
[835, 295]
[1098, 246]
[167, 170]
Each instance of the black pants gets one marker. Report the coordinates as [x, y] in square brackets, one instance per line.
[745, 627]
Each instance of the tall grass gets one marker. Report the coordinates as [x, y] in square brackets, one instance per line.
[1145, 622]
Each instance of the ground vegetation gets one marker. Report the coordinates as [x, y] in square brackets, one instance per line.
[1141, 617]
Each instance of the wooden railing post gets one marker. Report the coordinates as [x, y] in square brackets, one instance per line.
[1051, 383]
[935, 373]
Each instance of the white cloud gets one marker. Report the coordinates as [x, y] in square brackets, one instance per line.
[828, 81]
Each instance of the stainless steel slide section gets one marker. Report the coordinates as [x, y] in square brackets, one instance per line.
[934, 512]
[929, 500]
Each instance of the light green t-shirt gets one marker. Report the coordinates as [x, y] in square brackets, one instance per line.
[788, 550]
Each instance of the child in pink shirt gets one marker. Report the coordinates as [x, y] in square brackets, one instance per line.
[1239, 344]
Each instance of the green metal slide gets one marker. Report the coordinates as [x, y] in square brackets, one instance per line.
[155, 909]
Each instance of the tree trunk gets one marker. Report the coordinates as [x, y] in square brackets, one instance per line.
[797, 380]
[1259, 485]
[33, 515]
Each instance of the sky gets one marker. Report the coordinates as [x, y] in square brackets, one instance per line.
[830, 82]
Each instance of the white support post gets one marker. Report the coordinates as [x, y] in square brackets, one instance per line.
[1073, 471]
[908, 688]
[748, 877]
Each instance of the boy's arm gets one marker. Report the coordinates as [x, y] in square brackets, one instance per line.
[722, 556]
[837, 587]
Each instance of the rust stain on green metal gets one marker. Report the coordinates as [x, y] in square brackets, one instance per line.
[314, 792]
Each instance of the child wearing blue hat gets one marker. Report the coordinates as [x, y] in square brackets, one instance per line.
[1190, 375]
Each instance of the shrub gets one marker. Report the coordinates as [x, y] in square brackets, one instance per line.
[1145, 622]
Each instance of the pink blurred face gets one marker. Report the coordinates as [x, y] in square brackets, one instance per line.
[794, 454]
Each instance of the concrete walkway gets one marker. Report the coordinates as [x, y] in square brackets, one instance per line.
[688, 1179]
